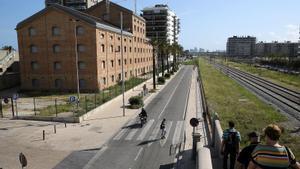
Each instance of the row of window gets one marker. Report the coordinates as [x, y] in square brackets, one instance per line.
[82, 48]
[58, 83]
[56, 31]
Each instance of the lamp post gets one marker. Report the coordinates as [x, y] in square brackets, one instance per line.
[76, 60]
[122, 58]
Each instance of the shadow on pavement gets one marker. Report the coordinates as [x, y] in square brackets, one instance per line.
[166, 166]
[147, 142]
[133, 126]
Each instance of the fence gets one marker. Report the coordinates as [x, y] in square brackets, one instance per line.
[59, 105]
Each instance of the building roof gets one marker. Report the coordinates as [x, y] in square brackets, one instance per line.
[94, 21]
[118, 6]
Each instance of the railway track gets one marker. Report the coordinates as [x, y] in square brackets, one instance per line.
[285, 99]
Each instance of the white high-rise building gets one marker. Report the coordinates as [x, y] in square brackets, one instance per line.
[161, 23]
[80, 5]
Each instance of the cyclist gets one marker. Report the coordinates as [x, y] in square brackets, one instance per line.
[163, 128]
[143, 116]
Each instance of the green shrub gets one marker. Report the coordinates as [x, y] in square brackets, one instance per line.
[161, 80]
[167, 75]
[136, 102]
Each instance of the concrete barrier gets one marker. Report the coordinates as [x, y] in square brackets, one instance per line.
[204, 158]
[218, 133]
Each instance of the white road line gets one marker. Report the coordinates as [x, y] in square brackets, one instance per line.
[171, 96]
[145, 130]
[138, 154]
[168, 129]
[92, 161]
[131, 134]
[120, 134]
[177, 132]
[154, 134]
[186, 103]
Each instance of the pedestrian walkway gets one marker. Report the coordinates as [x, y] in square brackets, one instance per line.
[194, 110]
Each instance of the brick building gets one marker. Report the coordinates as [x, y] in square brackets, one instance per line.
[48, 42]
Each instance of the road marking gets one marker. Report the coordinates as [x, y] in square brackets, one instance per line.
[96, 157]
[154, 134]
[186, 103]
[168, 129]
[177, 132]
[138, 154]
[123, 131]
[131, 134]
[171, 96]
[145, 130]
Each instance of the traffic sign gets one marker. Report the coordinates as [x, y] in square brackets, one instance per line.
[194, 122]
[6, 100]
[72, 99]
[23, 160]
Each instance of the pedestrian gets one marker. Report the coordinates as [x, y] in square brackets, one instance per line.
[230, 145]
[244, 156]
[272, 155]
[162, 128]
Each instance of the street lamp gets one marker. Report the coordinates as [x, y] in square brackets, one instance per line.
[76, 59]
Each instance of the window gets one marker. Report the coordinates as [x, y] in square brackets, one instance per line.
[82, 83]
[102, 36]
[112, 63]
[35, 83]
[57, 65]
[119, 77]
[32, 31]
[111, 48]
[81, 65]
[79, 30]
[135, 49]
[103, 64]
[130, 49]
[113, 78]
[135, 60]
[125, 74]
[33, 49]
[103, 48]
[58, 83]
[125, 49]
[55, 31]
[125, 61]
[34, 65]
[119, 49]
[125, 40]
[119, 61]
[56, 48]
[130, 61]
[111, 37]
[80, 48]
[119, 38]
[104, 80]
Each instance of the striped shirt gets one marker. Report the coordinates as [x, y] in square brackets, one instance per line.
[270, 157]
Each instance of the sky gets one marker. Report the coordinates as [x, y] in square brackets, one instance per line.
[204, 23]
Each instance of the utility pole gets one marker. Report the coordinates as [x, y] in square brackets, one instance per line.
[135, 6]
[122, 58]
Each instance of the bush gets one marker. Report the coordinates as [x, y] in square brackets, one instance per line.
[136, 102]
[161, 80]
[167, 75]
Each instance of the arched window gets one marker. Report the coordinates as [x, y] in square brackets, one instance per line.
[79, 30]
[32, 31]
[55, 31]
[103, 48]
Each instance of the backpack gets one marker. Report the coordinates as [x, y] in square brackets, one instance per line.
[232, 140]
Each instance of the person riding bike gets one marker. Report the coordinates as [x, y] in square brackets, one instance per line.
[143, 116]
[163, 128]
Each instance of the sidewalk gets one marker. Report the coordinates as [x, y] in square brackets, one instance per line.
[194, 110]
[26, 136]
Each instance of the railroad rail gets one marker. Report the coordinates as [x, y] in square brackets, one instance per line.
[285, 99]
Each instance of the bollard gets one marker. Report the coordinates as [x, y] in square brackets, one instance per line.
[196, 138]
[65, 125]
[55, 129]
[43, 134]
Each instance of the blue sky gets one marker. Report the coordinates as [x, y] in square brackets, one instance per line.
[204, 23]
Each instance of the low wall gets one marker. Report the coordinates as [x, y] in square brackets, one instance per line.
[204, 157]
[218, 133]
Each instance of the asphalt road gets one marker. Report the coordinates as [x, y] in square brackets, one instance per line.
[136, 147]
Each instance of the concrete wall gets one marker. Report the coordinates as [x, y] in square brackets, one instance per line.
[204, 160]
[218, 133]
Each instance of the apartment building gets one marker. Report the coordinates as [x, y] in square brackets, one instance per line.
[288, 49]
[80, 5]
[49, 39]
[161, 23]
[243, 46]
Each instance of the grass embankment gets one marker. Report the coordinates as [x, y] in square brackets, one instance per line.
[233, 102]
[283, 79]
[88, 101]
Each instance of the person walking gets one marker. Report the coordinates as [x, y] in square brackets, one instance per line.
[230, 145]
[163, 128]
[244, 156]
[272, 155]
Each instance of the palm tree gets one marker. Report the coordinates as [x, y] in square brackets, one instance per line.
[154, 43]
